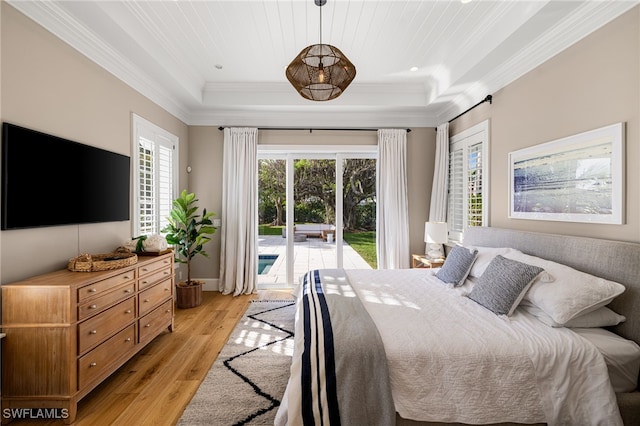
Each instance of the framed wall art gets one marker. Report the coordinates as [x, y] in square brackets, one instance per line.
[579, 178]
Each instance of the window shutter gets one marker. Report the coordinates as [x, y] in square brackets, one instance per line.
[155, 186]
[455, 203]
[165, 184]
[474, 185]
[146, 193]
[468, 171]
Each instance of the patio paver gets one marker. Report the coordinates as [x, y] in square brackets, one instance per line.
[314, 253]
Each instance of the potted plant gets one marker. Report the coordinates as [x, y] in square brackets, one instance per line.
[188, 232]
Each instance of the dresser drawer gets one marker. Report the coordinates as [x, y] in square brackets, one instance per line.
[97, 288]
[154, 266]
[151, 297]
[97, 362]
[154, 277]
[99, 304]
[100, 327]
[154, 322]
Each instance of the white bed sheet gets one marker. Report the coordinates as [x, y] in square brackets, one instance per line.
[505, 370]
[621, 356]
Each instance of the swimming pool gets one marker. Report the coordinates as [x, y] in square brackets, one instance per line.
[265, 261]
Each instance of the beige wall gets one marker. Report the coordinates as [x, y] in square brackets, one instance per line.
[48, 86]
[205, 156]
[205, 180]
[594, 83]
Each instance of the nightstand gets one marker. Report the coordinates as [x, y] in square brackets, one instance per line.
[423, 261]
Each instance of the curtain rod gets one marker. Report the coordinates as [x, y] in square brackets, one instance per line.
[311, 130]
[489, 99]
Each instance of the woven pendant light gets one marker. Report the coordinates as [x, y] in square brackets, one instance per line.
[320, 72]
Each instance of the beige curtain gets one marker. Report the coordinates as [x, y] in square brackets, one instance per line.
[392, 207]
[239, 246]
[438, 208]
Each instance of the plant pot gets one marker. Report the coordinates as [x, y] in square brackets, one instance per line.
[188, 296]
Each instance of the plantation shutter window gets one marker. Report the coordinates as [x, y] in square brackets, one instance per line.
[468, 189]
[155, 187]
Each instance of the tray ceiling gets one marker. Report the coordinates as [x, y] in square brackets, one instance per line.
[223, 62]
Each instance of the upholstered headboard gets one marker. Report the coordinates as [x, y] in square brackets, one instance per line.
[613, 260]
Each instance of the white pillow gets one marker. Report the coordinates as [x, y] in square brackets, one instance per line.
[485, 256]
[572, 293]
[601, 317]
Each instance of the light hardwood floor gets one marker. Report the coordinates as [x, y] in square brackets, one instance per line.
[155, 386]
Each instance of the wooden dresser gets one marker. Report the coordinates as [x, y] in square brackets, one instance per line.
[67, 331]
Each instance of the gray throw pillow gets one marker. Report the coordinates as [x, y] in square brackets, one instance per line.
[503, 284]
[457, 265]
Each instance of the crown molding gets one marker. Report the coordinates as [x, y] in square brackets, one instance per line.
[278, 95]
[296, 117]
[56, 20]
[357, 87]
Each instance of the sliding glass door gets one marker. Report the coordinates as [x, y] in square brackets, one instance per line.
[359, 212]
[328, 197]
[272, 194]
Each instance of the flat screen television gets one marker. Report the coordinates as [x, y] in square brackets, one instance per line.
[50, 181]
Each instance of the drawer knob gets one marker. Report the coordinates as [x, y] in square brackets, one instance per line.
[147, 326]
[126, 277]
[167, 289]
[128, 290]
[146, 300]
[145, 269]
[92, 290]
[93, 332]
[168, 310]
[128, 311]
[145, 282]
[93, 306]
[128, 339]
[93, 364]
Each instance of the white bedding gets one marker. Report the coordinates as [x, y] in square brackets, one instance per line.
[621, 356]
[503, 370]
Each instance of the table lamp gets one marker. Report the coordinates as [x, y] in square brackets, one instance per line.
[435, 235]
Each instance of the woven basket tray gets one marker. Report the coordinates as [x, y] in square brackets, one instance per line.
[101, 262]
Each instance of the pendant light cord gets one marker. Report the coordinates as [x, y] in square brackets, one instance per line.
[321, 28]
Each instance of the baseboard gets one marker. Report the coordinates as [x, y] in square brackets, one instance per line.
[210, 284]
[213, 284]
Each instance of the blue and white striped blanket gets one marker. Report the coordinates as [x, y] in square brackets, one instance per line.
[339, 372]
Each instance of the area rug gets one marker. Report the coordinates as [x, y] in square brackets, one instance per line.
[246, 382]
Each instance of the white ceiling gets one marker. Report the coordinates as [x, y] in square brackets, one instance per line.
[171, 52]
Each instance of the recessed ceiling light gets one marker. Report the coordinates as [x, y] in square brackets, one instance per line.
[465, 1]
[414, 69]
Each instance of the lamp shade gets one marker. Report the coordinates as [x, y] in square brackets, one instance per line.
[435, 232]
[320, 72]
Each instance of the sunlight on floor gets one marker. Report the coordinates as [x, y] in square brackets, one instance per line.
[265, 337]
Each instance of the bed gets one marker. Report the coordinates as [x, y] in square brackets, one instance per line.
[403, 347]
